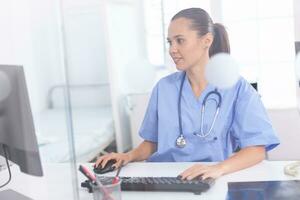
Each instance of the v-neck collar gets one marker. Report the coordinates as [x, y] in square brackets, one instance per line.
[187, 92]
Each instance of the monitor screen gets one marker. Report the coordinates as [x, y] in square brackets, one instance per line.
[17, 134]
[264, 190]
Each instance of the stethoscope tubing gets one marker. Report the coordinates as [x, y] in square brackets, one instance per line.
[201, 134]
[179, 105]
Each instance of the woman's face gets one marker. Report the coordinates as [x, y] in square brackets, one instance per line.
[186, 48]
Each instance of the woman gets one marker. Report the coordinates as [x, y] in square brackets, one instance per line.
[241, 124]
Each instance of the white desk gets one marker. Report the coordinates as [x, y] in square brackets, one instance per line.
[56, 183]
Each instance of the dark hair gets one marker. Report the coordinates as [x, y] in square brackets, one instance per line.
[202, 22]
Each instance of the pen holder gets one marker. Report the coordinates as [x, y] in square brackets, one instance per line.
[107, 191]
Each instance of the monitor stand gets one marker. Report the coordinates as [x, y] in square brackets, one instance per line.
[12, 195]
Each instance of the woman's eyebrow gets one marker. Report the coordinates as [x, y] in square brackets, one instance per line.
[176, 36]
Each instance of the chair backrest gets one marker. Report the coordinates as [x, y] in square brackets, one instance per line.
[254, 85]
[286, 123]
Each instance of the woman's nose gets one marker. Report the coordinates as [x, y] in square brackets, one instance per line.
[173, 49]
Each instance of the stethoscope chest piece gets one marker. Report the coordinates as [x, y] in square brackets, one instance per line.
[180, 141]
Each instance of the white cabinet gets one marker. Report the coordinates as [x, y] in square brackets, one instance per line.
[136, 108]
[286, 123]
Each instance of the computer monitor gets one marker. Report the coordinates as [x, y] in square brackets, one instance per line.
[18, 141]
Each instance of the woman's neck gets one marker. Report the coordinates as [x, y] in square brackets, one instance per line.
[197, 79]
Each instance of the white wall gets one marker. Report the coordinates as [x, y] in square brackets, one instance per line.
[16, 42]
[216, 11]
[6, 48]
[47, 59]
[85, 42]
[86, 50]
[297, 19]
[31, 36]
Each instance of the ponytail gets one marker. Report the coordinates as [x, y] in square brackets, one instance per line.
[221, 42]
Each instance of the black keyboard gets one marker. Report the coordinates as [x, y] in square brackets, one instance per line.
[163, 184]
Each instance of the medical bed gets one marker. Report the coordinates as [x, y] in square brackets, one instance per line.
[93, 128]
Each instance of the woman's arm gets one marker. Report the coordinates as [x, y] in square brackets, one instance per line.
[246, 157]
[142, 152]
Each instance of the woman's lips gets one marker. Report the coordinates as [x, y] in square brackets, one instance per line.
[176, 60]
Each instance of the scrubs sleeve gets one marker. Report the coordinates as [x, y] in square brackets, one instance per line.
[149, 127]
[251, 125]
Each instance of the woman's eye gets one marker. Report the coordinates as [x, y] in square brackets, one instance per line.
[169, 42]
[180, 40]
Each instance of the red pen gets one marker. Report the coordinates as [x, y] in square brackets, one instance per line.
[117, 178]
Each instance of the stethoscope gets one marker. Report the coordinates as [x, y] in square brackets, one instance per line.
[180, 141]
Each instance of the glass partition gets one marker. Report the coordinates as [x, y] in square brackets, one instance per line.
[32, 38]
[102, 58]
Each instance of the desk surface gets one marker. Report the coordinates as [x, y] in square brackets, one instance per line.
[56, 182]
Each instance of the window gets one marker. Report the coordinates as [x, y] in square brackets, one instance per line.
[158, 14]
[261, 34]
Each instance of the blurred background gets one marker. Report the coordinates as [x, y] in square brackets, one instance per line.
[90, 65]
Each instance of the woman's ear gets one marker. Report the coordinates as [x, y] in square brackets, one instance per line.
[208, 40]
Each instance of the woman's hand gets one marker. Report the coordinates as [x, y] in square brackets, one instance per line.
[205, 171]
[142, 152]
[246, 157]
[119, 157]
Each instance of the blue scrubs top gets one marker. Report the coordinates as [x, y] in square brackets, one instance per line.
[242, 121]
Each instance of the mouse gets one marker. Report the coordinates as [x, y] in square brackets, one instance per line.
[107, 168]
